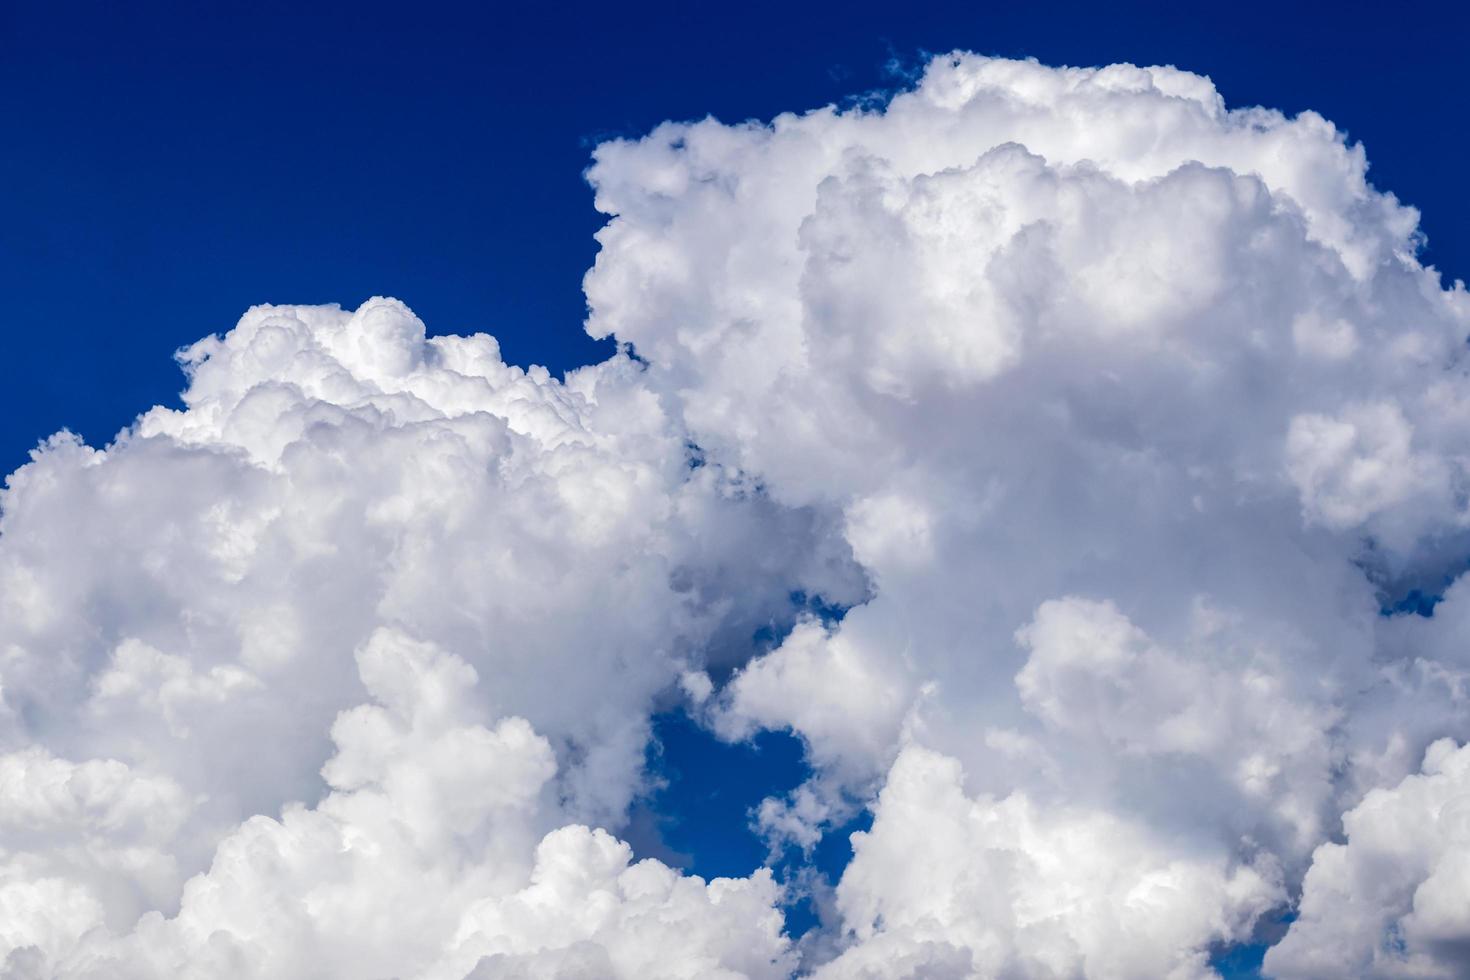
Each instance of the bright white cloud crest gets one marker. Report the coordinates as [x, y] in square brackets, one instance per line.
[1117, 417]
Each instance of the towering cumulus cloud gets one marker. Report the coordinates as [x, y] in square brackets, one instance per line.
[1129, 430]
[330, 673]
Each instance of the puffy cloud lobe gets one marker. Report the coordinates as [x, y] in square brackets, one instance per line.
[419, 800]
[418, 864]
[1391, 900]
[588, 913]
[1352, 467]
[860, 708]
[945, 885]
[1223, 707]
[79, 841]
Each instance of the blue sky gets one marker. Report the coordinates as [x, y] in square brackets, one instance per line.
[167, 168]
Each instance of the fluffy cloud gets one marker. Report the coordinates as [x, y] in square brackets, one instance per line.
[1118, 418]
[194, 617]
[423, 860]
[944, 885]
[1137, 411]
[1391, 900]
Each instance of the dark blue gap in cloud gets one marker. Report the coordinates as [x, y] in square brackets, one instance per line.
[1415, 602]
[1243, 961]
[701, 817]
[710, 788]
[1398, 596]
[1240, 962]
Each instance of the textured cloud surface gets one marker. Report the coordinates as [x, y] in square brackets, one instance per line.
[1122, 424]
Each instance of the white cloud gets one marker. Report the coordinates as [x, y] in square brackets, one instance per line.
[423, 861]
[1349, 469]
[1134, 406]
[1225, 704]
[945, 885]
[1116, 414]
[192, 614]
[1390, 901]
[586, 905]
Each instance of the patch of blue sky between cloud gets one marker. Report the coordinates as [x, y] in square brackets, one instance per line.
[701, 819]
[701, 815]
[1243, 961]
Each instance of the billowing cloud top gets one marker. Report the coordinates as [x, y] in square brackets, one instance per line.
[1123, 423]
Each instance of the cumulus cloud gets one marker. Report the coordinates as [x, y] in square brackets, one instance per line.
[361, 623]
[1113, 418]
[1390, 900]
[423, 860]
[945, 885]
[1138, 410]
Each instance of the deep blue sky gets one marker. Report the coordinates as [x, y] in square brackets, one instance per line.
[166, 165]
